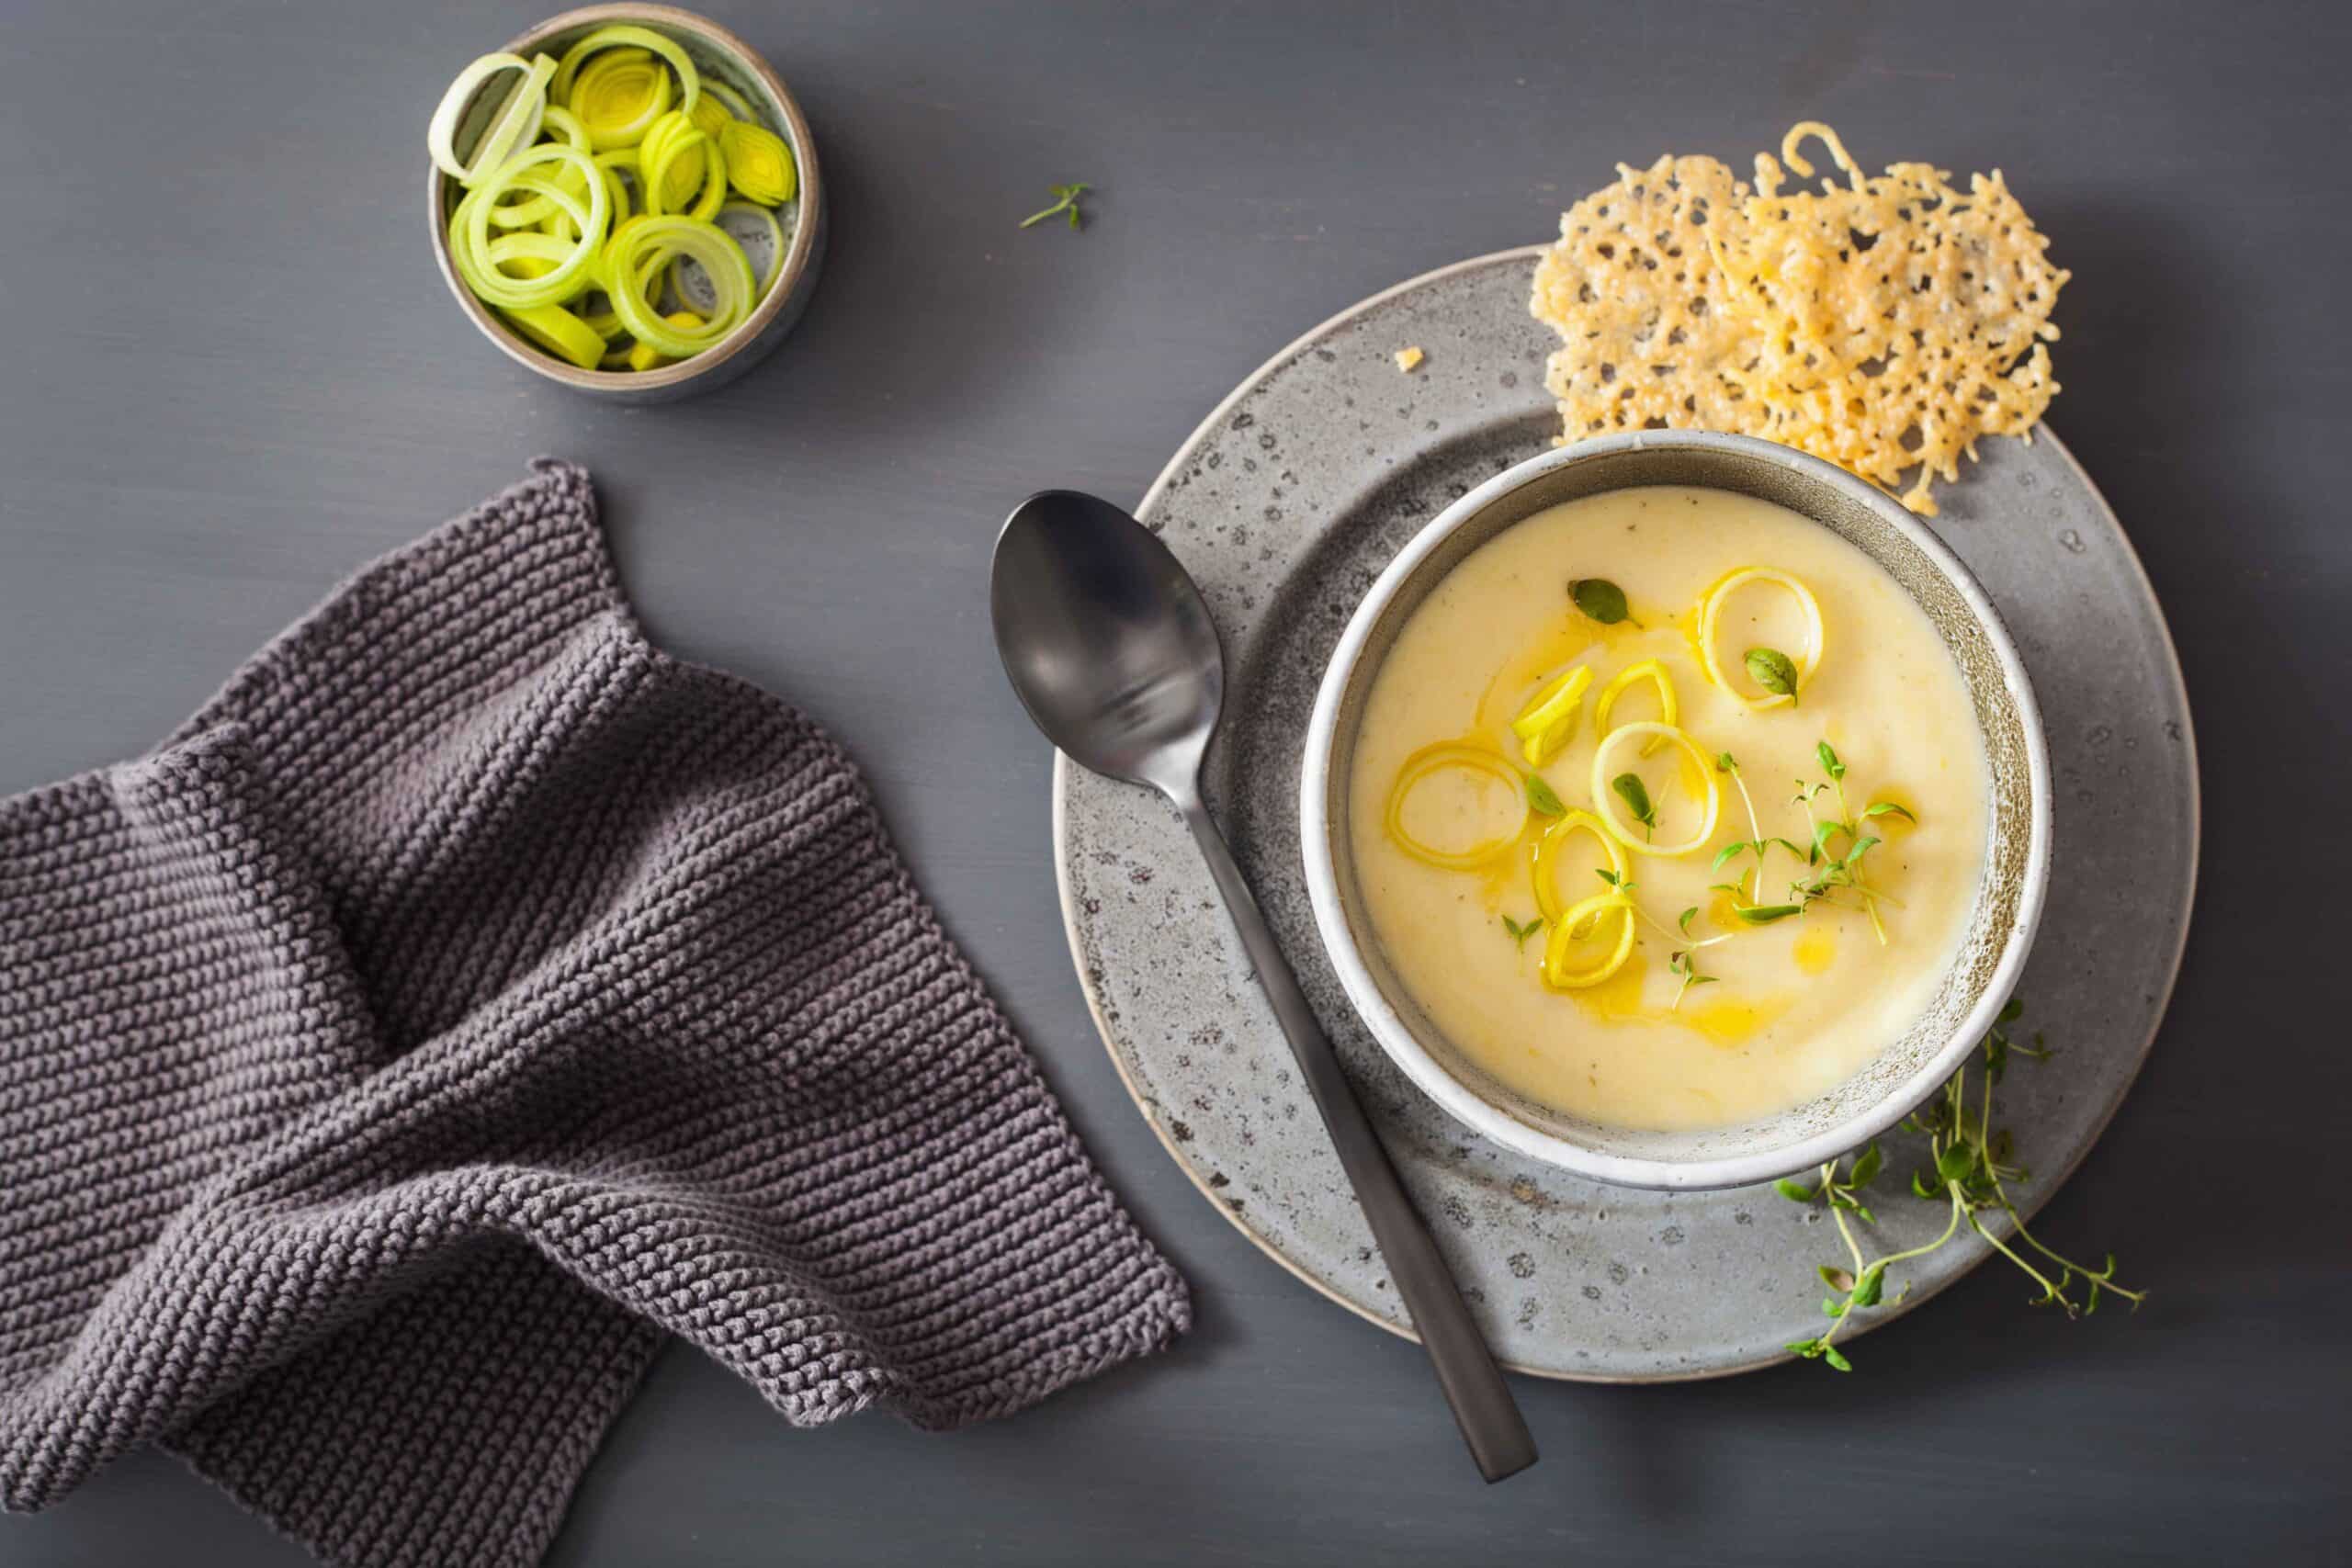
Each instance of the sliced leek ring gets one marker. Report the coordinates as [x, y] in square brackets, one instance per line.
[1547, 855]
[1711, 610]
[760, 164]
[623, 34]
[561, 332]
[620, 169]
[756, 231]
[477, 260]
[1437, 758]
[683, 169]
[1549, 721]
[1647, 669]
[1556, 971]
[1604, 804]
[618, 96]
[561, 123]
[710, 116]
[634, 260]
[516, 125]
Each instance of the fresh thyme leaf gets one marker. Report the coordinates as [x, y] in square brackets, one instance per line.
[1600, 599]
[1609, 877]
[1887, 808]
[1829, 1353]
[1739, 847]
[1540, 798]
[1636, 796]
[1065, 201]
[1788, 846]
[1863, 846]
[1684, 923]
[1793, 1191]
[1829, 762]
[2011, 1010]
[1520, 933]
[1765, 914]
[1837, 1279]
[1867, 1165]
[1725, 762]
[1774, 670]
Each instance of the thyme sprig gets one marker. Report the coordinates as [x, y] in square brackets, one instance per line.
[1971, 1164]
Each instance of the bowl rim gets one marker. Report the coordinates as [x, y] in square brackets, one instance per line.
[790, 269]
[1492, 1120]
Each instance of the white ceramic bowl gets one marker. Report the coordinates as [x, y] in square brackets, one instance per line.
[2009, 899]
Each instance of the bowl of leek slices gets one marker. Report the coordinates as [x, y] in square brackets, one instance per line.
[626, 199]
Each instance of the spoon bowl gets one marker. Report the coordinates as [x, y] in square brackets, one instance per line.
[1105, 637]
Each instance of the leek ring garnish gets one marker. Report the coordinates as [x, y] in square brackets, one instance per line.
[710, 116]
[627, 279]
[1556, 973]
[760, 164]
[1647, 669]
[561, 332]
[1437, 758]
[567, 70]
[1606, 809]
[644, 356]
[516, 123]
[1547, 852]
[1711, 611]
[469, 244]
[1549, 719]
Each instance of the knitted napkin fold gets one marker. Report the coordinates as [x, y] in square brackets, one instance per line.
[467, 996]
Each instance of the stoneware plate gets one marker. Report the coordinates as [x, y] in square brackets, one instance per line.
[1285, 505]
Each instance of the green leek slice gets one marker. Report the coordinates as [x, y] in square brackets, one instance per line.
[1711, 609]
[516, 125]
[760, 164]
[1437, 758]
[569, 71]
[1549, 721]
[629, 280]
[1606, 807]
[1547, 855]
[1556, 971]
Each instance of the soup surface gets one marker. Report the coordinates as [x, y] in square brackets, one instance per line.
[1752, 980]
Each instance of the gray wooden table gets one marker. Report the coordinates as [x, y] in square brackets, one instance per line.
[229, 373]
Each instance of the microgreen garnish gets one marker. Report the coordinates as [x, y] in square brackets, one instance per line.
[1888, 809]
[1969, 1167]
[1065, 200]
[1542, 798]
[1765, 914]
[1636, 796]
[1520, 933]
[1829, 762]
[1600, 599]
[1774, 670]
[1679, 963]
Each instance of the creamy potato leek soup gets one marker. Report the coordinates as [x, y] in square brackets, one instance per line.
[1668, 807]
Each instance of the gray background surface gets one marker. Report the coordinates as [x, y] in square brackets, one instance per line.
[229, 374]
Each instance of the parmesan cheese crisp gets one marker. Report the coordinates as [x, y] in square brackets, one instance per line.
[1883, 326]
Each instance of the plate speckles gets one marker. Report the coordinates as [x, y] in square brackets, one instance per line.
[1570, 1278]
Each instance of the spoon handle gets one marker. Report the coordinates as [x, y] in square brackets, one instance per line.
[1474, 1386]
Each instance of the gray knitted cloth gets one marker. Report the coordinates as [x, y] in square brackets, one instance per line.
[468, 995]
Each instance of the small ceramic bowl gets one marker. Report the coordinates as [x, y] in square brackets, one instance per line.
[719, 55]
[2009, 902]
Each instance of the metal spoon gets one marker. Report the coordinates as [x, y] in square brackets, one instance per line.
[1114, 656]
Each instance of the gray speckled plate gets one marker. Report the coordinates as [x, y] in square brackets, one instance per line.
[1284, 505]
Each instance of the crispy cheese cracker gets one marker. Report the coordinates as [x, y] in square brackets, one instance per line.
[1648, 335]
[1884, 325]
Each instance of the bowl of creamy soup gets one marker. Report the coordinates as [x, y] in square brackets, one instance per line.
[1675, 810]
